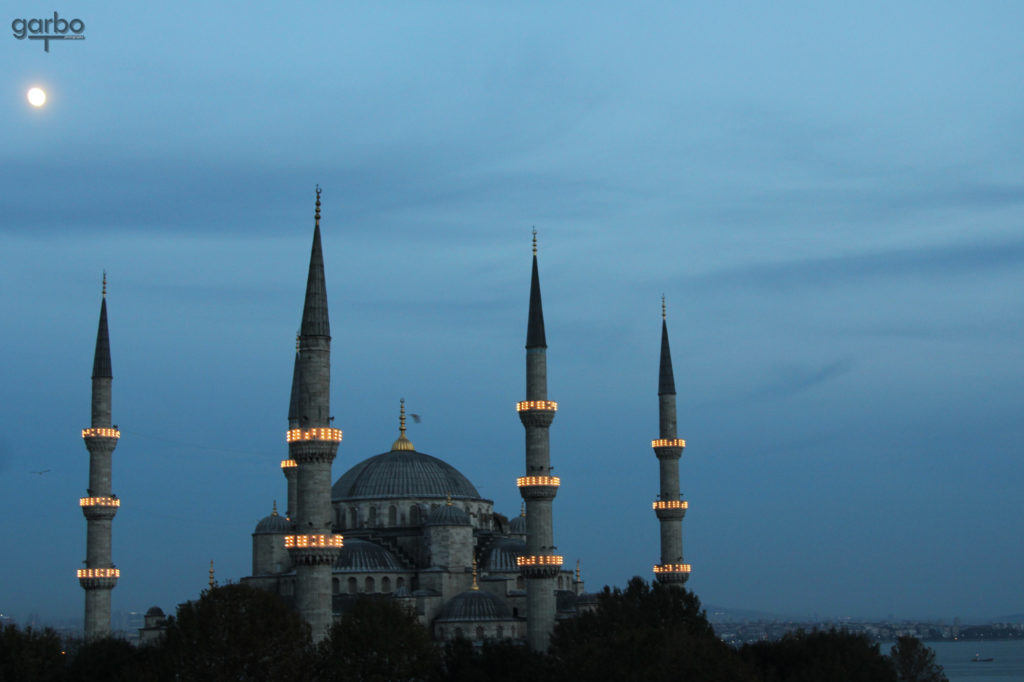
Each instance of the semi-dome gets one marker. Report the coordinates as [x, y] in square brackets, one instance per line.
[447, 515]
[363, 555]
[501, 555]
[275, 523]
[402, 474]
[155, 611]
[475, 605]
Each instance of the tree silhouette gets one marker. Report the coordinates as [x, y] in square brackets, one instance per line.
[914, 662]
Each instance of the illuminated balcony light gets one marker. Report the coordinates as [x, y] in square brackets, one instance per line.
[288, 463]
[315, 541]
[527, 481]
[668, 443]
[540, 560]
[318, 433]
[672, 568]
[671, 504]
[99, 502]
[99, 573]
[100, 433]
[546, 405]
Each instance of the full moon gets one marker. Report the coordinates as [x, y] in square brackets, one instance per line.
[36, 97]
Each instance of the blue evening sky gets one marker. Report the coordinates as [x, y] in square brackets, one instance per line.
[830, 198]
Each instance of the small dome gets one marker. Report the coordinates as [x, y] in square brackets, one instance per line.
[363, 555]
[517, 526]
[275, 523]
[501, 555]
[447, 515]
[155, 611]
[472, 605]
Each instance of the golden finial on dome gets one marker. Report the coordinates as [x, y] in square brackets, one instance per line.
[298, 340]
[212, 581]
[317, 216]
[402, 443]
[475, 586]
[522, 508]
[577, 570]
[534, 241]
[274, 511]
[663, 307]
[104, 284]
[449, 500]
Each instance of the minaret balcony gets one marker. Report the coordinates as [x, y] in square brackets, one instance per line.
[667, 510]
[672, 573]
[538, 487]
[316, 549]
[98, 578]
[95, 432]
[314, 540]
[288, 464]
[321, 433]
[539, 413]
[540, 566]
[668, 448]
[96, 508]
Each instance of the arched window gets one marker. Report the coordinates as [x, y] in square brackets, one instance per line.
[559, 582]
[414, 515]
[370, 589]
[400, 583]
[340, 519]
[479, 632]
[501, 631]
[385, 585]
[335, 586]
[392, 516]
[519, 582]
[458, 632]
[373, 517]
[353, 586]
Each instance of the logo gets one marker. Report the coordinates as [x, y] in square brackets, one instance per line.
[48, 29]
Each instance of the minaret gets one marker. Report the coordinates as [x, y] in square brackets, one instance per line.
[312, 444]
[288, 466]
[99, 576]
[670, 508]
[538, 487]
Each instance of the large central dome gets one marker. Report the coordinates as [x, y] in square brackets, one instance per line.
[402, 474]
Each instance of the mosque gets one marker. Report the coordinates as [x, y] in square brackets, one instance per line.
[402, 524]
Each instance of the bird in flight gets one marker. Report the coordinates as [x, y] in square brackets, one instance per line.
[40, 473]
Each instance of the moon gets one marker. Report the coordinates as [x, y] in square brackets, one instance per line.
[36, 97]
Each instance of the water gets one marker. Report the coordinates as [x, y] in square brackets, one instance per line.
[955, 659]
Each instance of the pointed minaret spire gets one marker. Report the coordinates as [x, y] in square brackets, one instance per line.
[314, 314]
[101, 360]
[535, 323]
[670, 508]
[666, 381]
[293, 401]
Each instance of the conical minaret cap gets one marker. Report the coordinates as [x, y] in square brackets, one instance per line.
[535, 325]
[101, 361]
[314, 314]
[666, 382]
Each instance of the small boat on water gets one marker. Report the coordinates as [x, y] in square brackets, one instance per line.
[978, 659]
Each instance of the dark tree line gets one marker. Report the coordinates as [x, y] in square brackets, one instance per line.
[648, 633]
